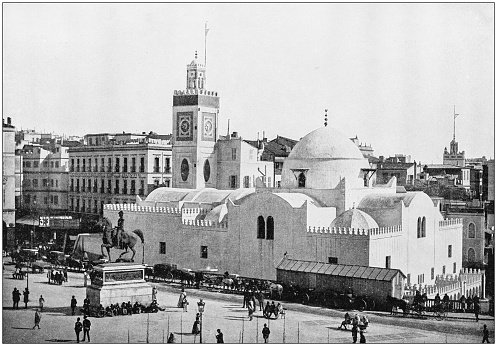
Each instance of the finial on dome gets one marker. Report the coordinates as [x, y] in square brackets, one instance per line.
[195, 54]
[325, 117]
[353, 205]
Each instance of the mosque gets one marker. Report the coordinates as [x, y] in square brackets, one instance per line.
[325, 210]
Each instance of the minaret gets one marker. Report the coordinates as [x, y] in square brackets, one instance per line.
[195, 119]
[454, 157]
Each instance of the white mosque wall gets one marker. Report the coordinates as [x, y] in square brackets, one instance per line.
[346, 245]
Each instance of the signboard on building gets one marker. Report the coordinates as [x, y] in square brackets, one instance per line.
[62, 222]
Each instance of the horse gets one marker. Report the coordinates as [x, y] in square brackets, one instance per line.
[273, 287]
[397, 303]
[112, 237]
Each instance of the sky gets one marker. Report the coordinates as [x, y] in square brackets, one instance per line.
[389, 73]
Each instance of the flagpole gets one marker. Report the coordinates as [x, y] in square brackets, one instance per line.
[205, 44]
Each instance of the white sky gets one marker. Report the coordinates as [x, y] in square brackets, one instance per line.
[389, 73]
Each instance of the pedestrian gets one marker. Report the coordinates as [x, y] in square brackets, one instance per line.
[462, 300]
[74, 303]
[26, 297]
[170, 339]
[354, 329]
[251, 309]
[265, 333]
[485, 334]
[219, 337]
[85, 278]
[16, 296]
[154, 293]
[362, 339]
[37, 319]
[182, 301]
[195, 329]
[86, 328]
[41, 301]
[65, 274]
[78, 327]
[476, 307]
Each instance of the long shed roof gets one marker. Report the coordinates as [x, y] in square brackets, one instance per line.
[364, 272]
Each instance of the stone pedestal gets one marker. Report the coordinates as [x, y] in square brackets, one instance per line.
[119, 282]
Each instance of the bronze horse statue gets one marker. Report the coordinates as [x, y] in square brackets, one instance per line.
[114, 237]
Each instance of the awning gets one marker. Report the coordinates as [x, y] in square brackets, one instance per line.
[29, 220]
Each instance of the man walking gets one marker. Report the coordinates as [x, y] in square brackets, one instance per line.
[16, 296]
[265, 333]
[74, 303]
[219, 337]
[37, 319]
[41, 301]
[485, 334]
[86, 328]
[78, 326]
[26, 297]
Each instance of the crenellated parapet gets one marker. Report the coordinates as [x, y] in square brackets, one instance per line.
[194, 92]
[143, 209]
[194, 211]
[205, 223]
[449, 223]
[354, 231]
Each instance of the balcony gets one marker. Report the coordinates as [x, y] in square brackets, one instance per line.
[133, 169]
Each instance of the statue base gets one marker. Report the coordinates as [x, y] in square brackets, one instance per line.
[119, 282]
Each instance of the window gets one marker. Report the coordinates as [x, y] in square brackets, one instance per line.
[84, 165]
[409, 279]
[302, 179]
[388, 262]
[471, 255]
[233, 154]
[471, 230]
[454, 267]
[45, 182]
[246, 181]
[185, 170]
[28, 164]
[133, 164]
[45, 199]
[450, 251]
[203, 252]
[432, 273]
[51, 199]
[125, 164]
[117, 165]
[35, 164]
[207, 170]
[142, 164]
[35, 182]
[261, 228]
[419, 227]
[423, 227]
[421, 278]
[443, 270]
[109, 166]
[333, 260]
[45, 164]
[233, 181]
[56, 201]
[56, 164]
[27, 199]
[51, 164]
[270, 228]
[56, 183]
[162, 247]
[167, 164]
[51, 183]
[156, 165]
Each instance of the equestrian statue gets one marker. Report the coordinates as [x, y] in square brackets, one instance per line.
[118, 237]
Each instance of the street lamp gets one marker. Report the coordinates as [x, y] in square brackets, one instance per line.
[201, 306]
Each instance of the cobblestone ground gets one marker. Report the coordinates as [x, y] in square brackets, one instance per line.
[303, 324]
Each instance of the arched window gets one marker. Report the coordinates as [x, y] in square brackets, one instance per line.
[302, 179]
[471, 255]
[423, 227]
[419, 227]
[270, 228]
[261, 228]
[471, 230]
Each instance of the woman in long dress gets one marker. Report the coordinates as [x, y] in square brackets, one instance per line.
[182, 301]
[195, 329]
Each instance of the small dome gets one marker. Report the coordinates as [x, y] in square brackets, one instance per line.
[354, 218]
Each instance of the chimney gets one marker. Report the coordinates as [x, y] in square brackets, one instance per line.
[234, 135]
[8, 121]
[264, 139]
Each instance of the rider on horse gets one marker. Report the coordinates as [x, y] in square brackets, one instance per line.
[120, 228]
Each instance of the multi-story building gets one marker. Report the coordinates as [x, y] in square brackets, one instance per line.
[115, 168]
[8, 182]
[399, 166]
[45, 176]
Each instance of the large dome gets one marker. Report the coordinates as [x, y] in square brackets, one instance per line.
[321, 160]
[325, 142]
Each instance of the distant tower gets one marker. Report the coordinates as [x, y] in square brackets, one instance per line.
[454, 157]
[195, 118]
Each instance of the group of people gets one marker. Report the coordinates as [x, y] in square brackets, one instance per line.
[85, 327]
[359, 324]
[16, 298]
[57, 276]
[18, 273]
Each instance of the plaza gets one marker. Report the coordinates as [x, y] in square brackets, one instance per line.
[302, 324]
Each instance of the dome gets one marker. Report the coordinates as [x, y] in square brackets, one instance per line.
[325, 142]
[321, 160]
[354, 218]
